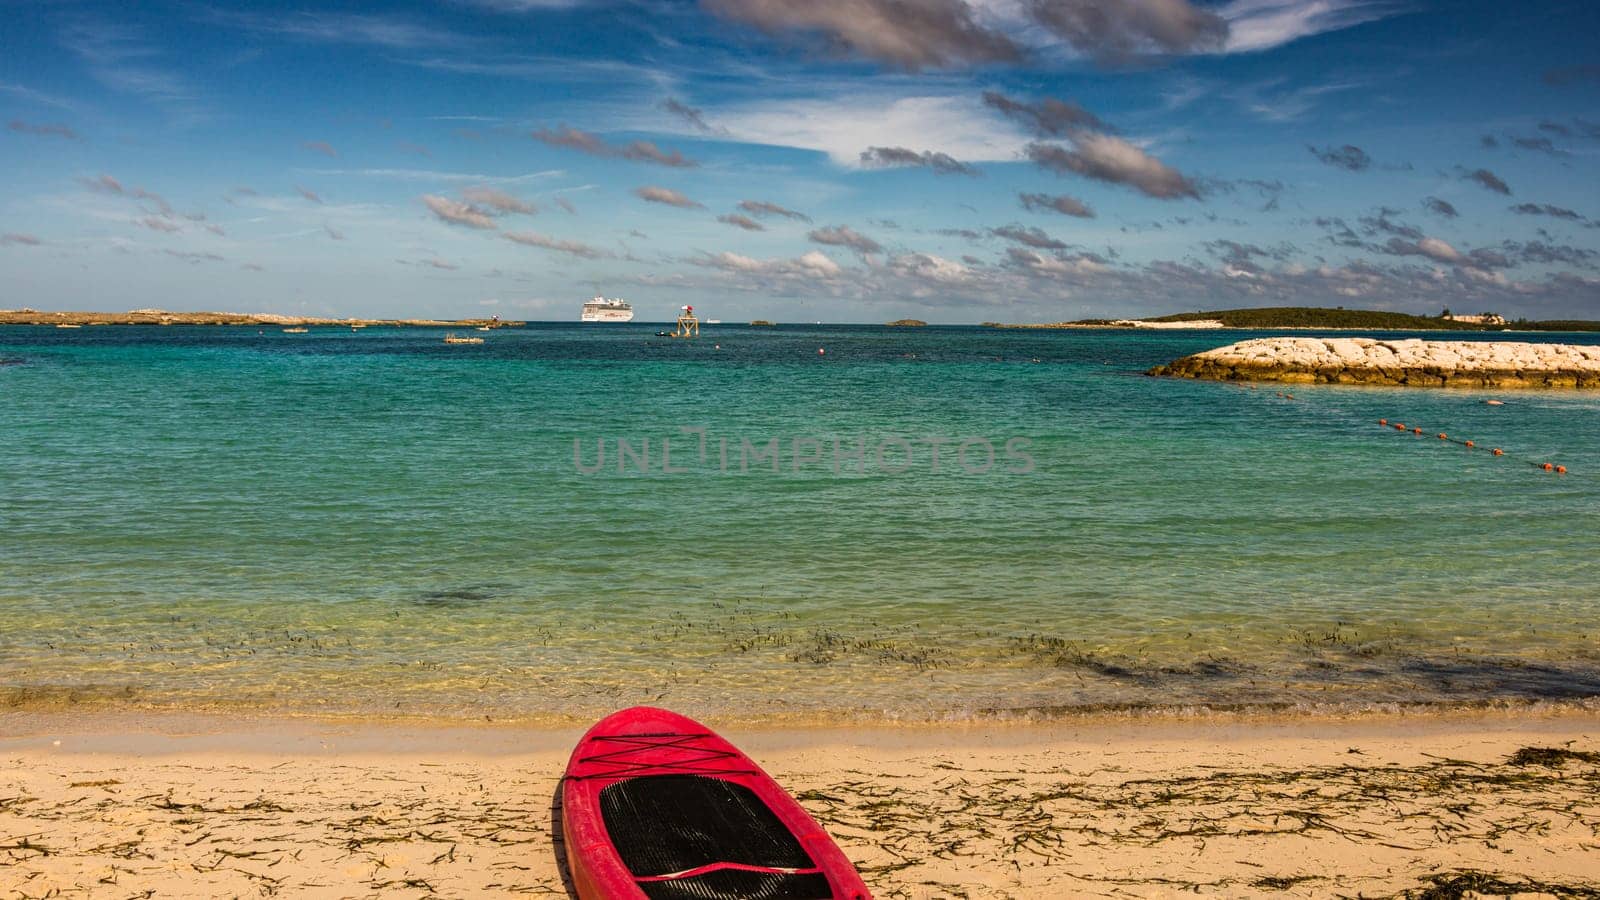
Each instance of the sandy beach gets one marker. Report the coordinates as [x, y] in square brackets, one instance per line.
[1376, 806]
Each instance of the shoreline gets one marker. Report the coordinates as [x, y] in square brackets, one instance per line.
[65, 707]
[261, 320]
[204, 806]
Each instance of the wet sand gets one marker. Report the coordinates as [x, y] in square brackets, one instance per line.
[1376, 806]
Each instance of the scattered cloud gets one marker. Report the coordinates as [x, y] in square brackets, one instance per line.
[157, 223]
[925, 34]
[323, 147]
[1440, 207]
[594, 145]
[1487, 179]
[309, 194]
[653, 194]
[762, 208]
[1028, 237]
[498, 202]
[926, 267]
[43, 130]
[17, 238]
[1382, 223]
[436, 175]
[1543, 253]
[566, 204]
[458, 213]
[1116, 30]
[332, 232]
[119, 57]
[532, 239]
[1263, 24]
[1061, 203]
[1432, 248]
[194, 257]
[1111, 159]
[895, 157]
[696, 118]
[1539, 144]
[1546, 209]
[809, 266]
[841, 124]
[845, 236]
[388, 32]
[739, 221]
[1048, 117]
[1349, 157]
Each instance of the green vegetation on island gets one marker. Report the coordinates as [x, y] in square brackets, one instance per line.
[1322, 317]
[906, 323]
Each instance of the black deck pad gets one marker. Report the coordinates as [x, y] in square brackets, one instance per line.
[662, 824]
[735, 884]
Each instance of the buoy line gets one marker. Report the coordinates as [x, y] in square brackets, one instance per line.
[1471, 445]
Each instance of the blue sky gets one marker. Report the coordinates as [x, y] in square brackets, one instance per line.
[841, 160]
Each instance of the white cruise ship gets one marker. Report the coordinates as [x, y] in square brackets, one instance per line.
[602, 309]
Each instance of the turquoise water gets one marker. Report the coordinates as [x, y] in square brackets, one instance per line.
[377, 522]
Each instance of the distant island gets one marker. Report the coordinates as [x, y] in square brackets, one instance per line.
[1323, 318]
[906, 323]
[165, 317]
[761, 322]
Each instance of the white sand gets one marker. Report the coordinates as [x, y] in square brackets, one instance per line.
[123, 806]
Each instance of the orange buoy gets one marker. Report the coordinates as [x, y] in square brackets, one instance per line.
[1499, 452]
[1546, 466]
[1383, 421]
[1399, 426]
[1416, 431]
[1471, 444]
[1442, 436]
[1561, 470]
[1288, 396]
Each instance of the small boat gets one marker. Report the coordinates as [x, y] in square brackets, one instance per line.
[655, 804]
[295, 330]
[713, 321]
[452, 339]
[485, 328]
[65, 325]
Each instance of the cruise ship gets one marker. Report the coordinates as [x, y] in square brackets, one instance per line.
[602, 309]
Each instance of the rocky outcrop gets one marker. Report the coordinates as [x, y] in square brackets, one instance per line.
[1469, 364]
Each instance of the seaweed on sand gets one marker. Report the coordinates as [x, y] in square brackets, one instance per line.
[1039, 819]
[1468, 883]
[1551, 757]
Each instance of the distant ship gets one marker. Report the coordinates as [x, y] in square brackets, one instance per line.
[602, 309]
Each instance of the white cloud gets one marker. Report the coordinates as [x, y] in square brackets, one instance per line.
[431, 175]
[1264, 24]
[843, 126]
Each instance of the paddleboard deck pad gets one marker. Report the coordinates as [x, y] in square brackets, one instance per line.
[655, 805]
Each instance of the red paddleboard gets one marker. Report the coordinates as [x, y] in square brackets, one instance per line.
[656, 806]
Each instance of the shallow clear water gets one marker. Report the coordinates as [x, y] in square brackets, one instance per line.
[379, 522]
